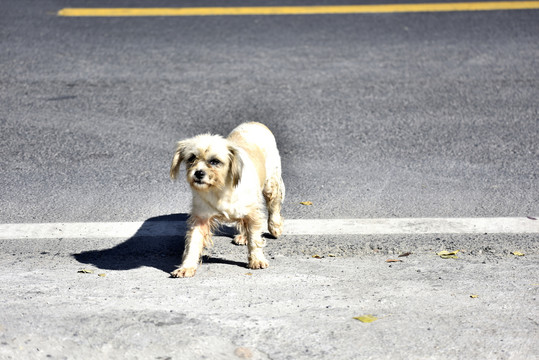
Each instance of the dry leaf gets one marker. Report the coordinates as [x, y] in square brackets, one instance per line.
[332, 255]
[531, 218]
[366, 318]
[474, 296]
[445, 252]
[517, 253]
[317, 256]
[393, 260]
[249, 273]
[85, 271]
[306, 203]
[405, 254]
[243, 352]
[102, 275]
[448, 254]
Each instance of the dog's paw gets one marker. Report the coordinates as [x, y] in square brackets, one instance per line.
[275, 227]
[183, 272]
[258, 264]
[240, 240]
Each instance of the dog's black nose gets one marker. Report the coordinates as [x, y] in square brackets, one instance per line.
[199, 174]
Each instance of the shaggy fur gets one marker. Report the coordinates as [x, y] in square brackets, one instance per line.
[231, 179]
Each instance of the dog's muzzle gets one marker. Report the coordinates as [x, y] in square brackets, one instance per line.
[199, 176]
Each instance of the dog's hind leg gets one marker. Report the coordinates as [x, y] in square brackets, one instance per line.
[241, 237]
[274, 192]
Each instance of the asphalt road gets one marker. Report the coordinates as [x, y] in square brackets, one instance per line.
[376, 116]
[393, 115]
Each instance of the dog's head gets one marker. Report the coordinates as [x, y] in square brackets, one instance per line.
[212, 162]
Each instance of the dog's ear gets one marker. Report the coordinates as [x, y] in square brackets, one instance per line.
[236, 165]
[179, 155]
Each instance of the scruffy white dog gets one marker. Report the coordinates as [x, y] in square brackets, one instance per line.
[230, 179]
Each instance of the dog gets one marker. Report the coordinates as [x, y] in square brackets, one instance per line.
[231, 179]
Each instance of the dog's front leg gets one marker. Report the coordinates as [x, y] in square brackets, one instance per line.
[198, 236]
[255, 243]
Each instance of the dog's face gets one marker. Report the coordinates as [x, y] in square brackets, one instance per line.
[212, 162]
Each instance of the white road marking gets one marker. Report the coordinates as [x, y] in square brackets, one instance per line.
[395, 226]
[412, 226]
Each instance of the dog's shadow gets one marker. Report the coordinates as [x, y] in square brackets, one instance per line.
[158, 243]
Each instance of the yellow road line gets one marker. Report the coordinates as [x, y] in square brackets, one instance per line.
[301, 10]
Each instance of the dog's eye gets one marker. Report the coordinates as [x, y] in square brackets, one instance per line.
[191, 159]
[215, 162]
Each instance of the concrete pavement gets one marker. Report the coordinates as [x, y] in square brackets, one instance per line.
[302, 307]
